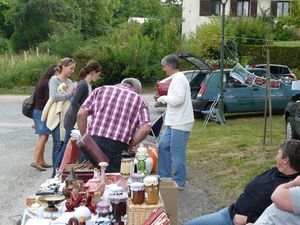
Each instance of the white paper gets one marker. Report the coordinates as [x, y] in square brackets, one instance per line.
[296, 85]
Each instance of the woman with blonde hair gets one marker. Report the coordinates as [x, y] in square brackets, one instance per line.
[61, 90]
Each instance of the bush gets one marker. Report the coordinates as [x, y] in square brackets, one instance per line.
[278, 55]
[124, 53]
[64, 43]
[285, 29]
[4, 45]
[27, 73]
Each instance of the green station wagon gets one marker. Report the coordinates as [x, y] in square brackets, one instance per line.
[239, 97]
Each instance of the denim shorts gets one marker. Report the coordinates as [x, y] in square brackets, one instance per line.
[40, 126]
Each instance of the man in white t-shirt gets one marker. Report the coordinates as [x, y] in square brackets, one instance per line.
[179, 121]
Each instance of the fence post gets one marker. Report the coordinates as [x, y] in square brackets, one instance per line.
[25, 56]
[12, 59]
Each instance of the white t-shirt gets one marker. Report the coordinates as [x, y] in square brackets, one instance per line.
[274, 216]
[179, 113]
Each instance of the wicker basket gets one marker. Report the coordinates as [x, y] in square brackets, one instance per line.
[138, 213]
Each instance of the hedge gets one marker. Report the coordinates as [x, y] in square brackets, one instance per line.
[278, 55]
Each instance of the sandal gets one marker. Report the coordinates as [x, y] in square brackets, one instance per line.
[37, 166]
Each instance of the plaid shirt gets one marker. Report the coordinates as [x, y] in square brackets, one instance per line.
[117, 112]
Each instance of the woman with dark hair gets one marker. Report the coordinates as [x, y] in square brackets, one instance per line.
[87, 74]
[41, 97]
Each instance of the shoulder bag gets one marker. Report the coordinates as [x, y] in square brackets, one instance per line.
[28, 106]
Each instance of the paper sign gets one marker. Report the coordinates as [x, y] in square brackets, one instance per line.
[296, 85]
[241, 74]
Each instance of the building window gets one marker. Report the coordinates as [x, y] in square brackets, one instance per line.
[242, 8]
[215, 7]
[283, 8]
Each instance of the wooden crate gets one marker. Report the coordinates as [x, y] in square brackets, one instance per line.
[138, 213]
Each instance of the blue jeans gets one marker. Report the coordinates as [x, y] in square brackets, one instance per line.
[221, 217]
[172, 151]
[61, 152]
[57, 145]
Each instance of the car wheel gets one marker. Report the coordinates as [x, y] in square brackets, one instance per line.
[290, 131]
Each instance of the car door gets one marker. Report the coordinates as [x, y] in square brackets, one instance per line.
[259, 92]
[296, 120]
[237, 97]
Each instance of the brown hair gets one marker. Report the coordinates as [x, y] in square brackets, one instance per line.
[291, 149]
[89, 67]
[64, 62]
[49, 73]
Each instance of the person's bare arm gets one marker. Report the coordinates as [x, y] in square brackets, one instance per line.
[282, 197]
[239, 219]
[82, 120]
[140, 135]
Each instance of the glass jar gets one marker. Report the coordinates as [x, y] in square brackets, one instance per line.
[141, 162]
[118, 203]
[137, 192]
[126, 166]
[151, 190]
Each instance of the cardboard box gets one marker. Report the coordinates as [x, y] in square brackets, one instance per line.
[169, 193]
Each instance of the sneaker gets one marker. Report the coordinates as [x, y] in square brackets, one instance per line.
[181, 187]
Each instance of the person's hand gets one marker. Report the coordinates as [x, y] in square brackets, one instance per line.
[33, 126]
[239, 219]
[158, 104]
[132, 149]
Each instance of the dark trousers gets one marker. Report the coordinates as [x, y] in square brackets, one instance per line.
[113, 150]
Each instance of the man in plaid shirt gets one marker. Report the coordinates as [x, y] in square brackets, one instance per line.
[120, 119]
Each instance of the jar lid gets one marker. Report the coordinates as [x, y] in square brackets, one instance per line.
[142, 150]
[116, 198]
[150, 180]
[137, 176]
[137, 186]
[126, 160]
[116, 190]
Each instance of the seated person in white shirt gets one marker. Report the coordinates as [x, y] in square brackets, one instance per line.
[285, 209]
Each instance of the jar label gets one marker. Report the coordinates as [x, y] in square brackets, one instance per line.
[146, 196]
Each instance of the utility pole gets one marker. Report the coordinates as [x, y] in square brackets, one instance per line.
[268, 98]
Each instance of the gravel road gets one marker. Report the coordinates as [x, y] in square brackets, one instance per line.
[19, 180]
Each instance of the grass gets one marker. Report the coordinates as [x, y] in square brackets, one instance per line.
[231, 155]
[287, 43]
[16, 91]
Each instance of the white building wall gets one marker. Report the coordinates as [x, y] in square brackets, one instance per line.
[264, 5]
[191, 17]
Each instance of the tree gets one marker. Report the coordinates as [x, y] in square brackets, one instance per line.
[6, 28]
[31, 22]
[95, 17]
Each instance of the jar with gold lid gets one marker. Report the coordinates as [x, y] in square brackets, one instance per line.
[151, 190]
[137, 192]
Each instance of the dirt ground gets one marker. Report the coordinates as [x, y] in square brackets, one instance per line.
[19, 180]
